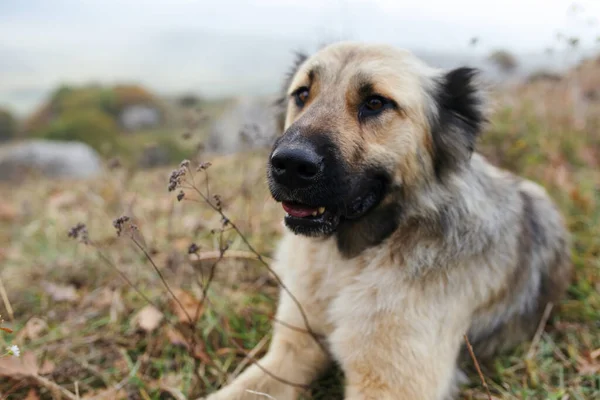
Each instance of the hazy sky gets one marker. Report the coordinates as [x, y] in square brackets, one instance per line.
[175, 44]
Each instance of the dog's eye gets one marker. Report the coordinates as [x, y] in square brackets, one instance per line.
[372, 106]
[301, 95]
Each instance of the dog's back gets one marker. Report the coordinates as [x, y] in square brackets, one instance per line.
[540, 276]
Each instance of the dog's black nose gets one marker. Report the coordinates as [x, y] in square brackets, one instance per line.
[296, 167]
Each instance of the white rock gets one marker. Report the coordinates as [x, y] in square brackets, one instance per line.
[51, 159]
[250, 122]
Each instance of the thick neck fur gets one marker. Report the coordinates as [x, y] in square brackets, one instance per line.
[463, 215]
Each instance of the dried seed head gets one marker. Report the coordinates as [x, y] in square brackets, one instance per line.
[180, 195]
[193, 249]
[184, 164]
[119, 224]
[217, 201]
[80, 232]
[203, 166]
[176, 177]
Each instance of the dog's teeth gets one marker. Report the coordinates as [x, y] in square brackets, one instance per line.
[314, 214]
[321, 210]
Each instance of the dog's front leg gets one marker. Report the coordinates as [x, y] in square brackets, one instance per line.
[293, 360]
[390, 353]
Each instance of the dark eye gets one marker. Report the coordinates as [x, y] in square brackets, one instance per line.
[301, 95]
[373, 106]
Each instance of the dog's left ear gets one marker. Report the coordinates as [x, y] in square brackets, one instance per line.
[281, 102]
[460, 116]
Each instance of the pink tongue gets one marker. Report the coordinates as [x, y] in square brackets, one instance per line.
[298, 211]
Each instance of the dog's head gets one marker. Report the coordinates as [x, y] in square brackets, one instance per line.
[362, 125]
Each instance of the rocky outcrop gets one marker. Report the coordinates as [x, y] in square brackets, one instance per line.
[248, 123]
[50, 159]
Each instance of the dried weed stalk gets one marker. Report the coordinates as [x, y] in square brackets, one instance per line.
[181, 180]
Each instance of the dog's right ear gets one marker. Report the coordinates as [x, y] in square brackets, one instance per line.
[281, 102]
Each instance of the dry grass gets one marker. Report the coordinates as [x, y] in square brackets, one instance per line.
[79, 322]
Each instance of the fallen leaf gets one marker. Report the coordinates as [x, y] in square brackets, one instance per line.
[46, 368]
[176, 338]
[588, 368]
[19, 367]
[585, 367]
[200, 354]
[33, 329]
[61, 292]
[187, 307]
[8, 213]
[100, 298]
[148, 318]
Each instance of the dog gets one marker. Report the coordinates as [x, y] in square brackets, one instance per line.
[400, 237]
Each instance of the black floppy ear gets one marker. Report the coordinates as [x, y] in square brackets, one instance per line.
[459, 119]
[281, 102]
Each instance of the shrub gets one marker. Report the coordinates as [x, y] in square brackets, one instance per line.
[91, 126]
[68, 100]
[92, 97]
[188, 101]
[505, 61]
[165, 150]
[8, 125]
[128, 95]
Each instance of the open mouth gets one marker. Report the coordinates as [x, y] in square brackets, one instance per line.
[301, 211]
[316, 220]
[308, 220]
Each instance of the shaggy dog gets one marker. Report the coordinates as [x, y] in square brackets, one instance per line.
[401, 239]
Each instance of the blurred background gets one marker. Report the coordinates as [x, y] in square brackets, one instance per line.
[122, 75]
[101, 100]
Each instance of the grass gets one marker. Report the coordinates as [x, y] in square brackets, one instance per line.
[92, 343]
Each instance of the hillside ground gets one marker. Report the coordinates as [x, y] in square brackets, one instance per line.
[81, 313]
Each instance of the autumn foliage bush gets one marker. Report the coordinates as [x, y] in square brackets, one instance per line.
[89, 114]
[90, 126]
[8, 125]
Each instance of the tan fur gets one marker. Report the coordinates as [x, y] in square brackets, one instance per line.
[394, 315]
